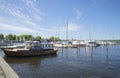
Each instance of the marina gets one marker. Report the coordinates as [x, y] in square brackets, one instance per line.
[82, 62]
[59, 39]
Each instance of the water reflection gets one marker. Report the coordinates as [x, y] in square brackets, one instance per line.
[106, 55]
[78, 51]
[29, 60]
[90, 52]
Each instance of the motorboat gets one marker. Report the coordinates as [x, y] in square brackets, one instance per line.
[33, 49]
[91, 43]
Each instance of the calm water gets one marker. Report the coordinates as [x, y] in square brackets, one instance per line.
[98, 62]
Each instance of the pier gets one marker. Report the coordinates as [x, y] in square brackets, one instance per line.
[6, 71]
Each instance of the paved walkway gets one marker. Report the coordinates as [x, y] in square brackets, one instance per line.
[6, 71]
[2, 74]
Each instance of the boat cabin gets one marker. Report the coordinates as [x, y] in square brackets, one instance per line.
[47, 46]
[38, 45]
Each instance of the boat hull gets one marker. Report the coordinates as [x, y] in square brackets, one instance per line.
[24, 53]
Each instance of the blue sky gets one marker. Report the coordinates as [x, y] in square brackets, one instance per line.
[95, 19]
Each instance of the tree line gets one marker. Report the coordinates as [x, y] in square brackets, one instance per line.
[25, 37]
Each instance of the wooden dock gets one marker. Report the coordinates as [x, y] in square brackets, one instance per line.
[6, 71]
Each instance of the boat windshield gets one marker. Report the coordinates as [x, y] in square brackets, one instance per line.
[33, 45]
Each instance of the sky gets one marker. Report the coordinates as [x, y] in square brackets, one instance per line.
[86, 19]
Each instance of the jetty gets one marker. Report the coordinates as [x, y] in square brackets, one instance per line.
[6, 71]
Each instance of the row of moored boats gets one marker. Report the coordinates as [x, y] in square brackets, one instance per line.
[87, 43]
[36, 48]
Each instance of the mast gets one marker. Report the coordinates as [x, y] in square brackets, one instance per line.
[67, 32]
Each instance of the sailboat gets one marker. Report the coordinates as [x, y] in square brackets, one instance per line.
[59, 44]
[91, 43]
[69, 43]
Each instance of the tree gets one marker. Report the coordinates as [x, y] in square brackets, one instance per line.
[29, 37]
[42, 39]
[17, 38]
[21, 37]
[38, 37]
[1, 36]
[26, 37]
[54, 38]
[57, 38]
[14, 37]
[9, 37]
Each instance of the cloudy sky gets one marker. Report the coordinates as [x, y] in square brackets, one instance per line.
[95, 19]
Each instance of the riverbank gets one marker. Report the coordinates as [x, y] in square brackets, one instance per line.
[6, 71]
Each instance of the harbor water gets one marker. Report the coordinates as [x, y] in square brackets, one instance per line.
[83, 62]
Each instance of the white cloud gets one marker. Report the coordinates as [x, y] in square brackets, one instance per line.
[78, 14]
[30, 23]
[97, 3]
[73, 27]
[26, 18]
[34, 11]
[8, 27]
[12, 9]
[33, 5]
[28, 11]
[17, 13]
[22, 29]
[28, 15]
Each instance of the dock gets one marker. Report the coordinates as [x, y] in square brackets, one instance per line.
[6, 71]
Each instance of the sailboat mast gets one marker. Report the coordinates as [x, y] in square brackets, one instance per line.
[67, 32]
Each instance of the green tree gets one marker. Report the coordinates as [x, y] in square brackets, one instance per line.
[21, 37]
[26, 37]
[57, 38]
[9, 37]
[17, 38]
[54, 38]
[42, 39]
[1, 36]
[38, 37]
[29, 37]
[14, 37]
